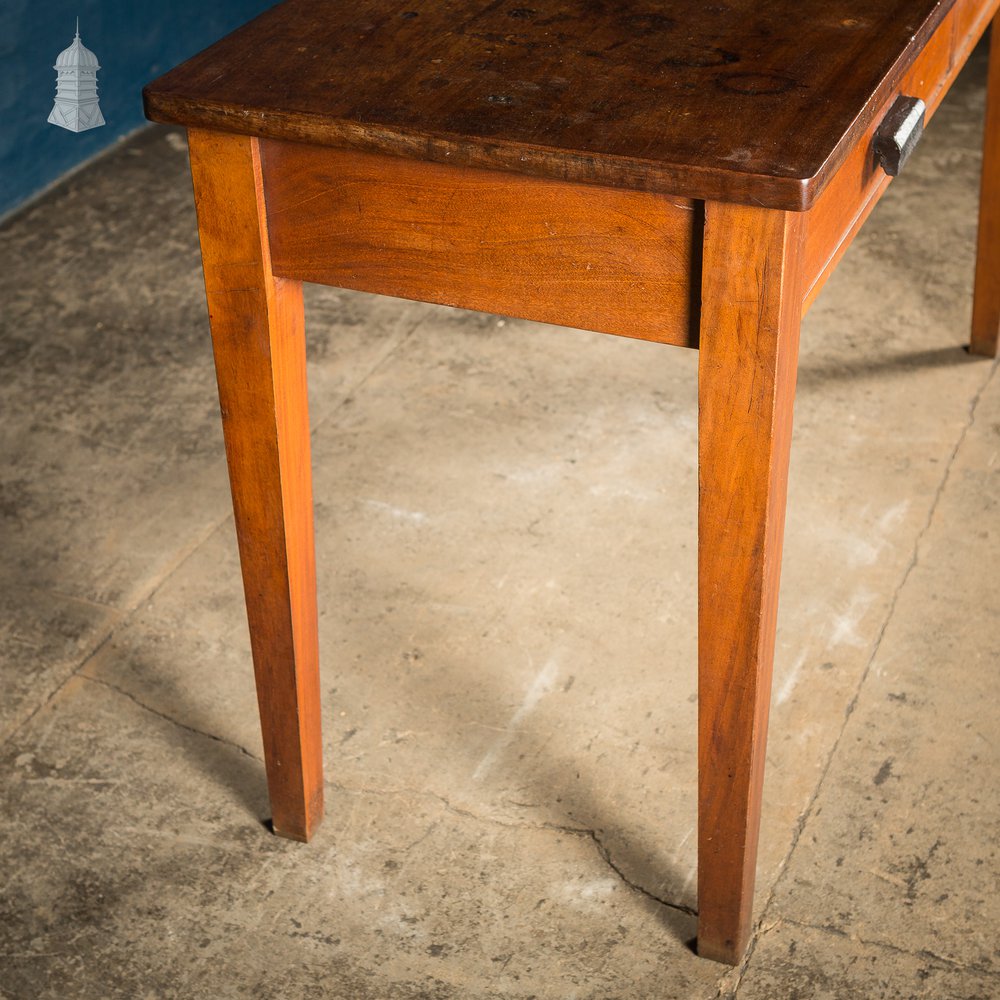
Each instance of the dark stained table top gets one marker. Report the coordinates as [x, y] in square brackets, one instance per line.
[743, 100]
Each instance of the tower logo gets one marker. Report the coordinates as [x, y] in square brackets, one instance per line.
[76, 106]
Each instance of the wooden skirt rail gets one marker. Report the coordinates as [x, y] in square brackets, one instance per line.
[605, 259]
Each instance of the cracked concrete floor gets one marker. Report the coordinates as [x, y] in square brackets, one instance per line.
[506, 542]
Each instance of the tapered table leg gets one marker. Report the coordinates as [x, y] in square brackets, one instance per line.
[986, 298]
[259, 342]
[748, 352]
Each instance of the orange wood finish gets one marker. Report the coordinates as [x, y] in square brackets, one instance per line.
[856, 188]
[970, 18]
[259, 342]
[986, 298]
[606, 259]
[746, 386]
[563, 227]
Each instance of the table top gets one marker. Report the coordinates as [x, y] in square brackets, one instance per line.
[735, 100]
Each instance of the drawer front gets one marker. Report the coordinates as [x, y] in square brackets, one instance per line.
[612, 260]
[854, 191]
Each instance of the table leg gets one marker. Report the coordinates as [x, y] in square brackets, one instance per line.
[751, 304]
[259, 342]
[986, 299]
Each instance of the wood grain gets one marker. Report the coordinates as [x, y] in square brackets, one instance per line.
[751, 295]
[616, 261]
[741, 101]
[259, 341]
[986, 297]
[970, 18]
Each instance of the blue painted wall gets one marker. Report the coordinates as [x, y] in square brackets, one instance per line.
[134, 43]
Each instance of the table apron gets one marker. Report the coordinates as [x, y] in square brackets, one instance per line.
[606, 259]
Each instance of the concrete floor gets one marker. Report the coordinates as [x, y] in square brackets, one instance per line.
[506, 547]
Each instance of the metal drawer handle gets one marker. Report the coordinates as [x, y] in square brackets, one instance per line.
[899, 133]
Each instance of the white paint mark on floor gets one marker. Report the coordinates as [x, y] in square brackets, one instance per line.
[176, 142]
[692, 872]
[353, 880]
[680, 847]
[893, 516]
[537, 474]
[865, 552]
[399, 513]
[619, 492]
[594, 889]
[542, 685]
[844, 629]
[785, 691]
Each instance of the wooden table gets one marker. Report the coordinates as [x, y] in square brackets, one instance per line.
[672, 171]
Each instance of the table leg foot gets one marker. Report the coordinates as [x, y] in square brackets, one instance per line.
[751, 305]
[986, 298]
[259, 341]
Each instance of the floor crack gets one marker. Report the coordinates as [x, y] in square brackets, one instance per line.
[124, 616]
[577, 831]
[852, 705]
[924, 954]
[350, 393]
[54, 693]
[733, 978]
[169, 718]
[609, 861]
